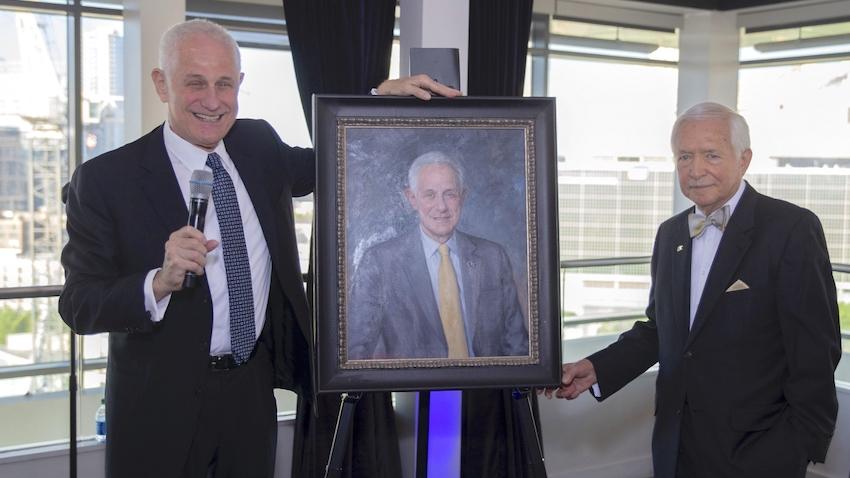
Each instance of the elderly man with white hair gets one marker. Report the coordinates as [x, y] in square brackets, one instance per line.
[743, 321]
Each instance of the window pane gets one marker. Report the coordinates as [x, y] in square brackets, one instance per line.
[111, 4]
[33, 146]
[602, 293]
[269, 91]
[842, 283]
[93, 347]
[811, 40]
[800, 130]
[32, 332]
[55, 2]
[614, 41]
[33, 167]
[394, 61]
[35, 420]
[102, 85]
[614, 167]
[615, 179]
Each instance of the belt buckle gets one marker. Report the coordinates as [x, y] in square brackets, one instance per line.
[222, 362]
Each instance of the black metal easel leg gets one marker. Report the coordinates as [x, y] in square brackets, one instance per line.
[530, 438]
[72, 401]
[342, 433]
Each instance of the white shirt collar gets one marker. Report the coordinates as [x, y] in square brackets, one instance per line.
[189, 155]
[431, 246]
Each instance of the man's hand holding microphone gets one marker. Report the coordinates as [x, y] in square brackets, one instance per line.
[186, 249]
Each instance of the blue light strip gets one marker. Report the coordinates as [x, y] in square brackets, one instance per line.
[444, 423]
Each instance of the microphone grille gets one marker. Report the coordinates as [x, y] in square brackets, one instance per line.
[201, 184]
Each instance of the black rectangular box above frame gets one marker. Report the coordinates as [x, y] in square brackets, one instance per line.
[436, 243]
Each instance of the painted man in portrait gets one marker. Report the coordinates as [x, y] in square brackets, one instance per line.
[435, 291]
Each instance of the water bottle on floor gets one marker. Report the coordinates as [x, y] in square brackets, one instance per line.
[100, 422]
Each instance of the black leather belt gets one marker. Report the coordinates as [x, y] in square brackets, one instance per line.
[222, 362]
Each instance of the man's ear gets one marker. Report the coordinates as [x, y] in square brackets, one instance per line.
[160, 83]
[411, 197]
[746, 156]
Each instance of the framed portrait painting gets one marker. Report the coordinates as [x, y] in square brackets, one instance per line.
[436, 243]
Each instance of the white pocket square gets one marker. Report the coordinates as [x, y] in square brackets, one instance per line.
[738, 285]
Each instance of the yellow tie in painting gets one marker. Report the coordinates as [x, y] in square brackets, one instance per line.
[450, 313]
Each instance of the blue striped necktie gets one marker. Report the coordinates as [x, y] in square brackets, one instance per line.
[236, 265]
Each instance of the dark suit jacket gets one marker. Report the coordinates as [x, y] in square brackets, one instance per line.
[393, 313]
[756, 369]
[122, 206]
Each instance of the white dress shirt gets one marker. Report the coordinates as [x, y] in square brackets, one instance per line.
[185, 158]
[432, 258]
[703, 250]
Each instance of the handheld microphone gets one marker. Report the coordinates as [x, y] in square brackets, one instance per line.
[200, 187]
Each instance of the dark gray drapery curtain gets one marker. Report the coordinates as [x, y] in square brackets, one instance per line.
[498, 45]
[342, 47]
[339, 47]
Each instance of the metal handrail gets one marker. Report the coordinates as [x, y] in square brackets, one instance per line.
[621, 261]
[31, 292]
[602, 318]
[606, 261]
[48, 368]
[605, 318]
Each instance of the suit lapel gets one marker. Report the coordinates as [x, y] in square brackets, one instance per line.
[681, 274]
[470, 277]
[417, 273]
[159, 183]
[733, 246]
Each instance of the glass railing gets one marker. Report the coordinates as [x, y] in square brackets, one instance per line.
[600, 298]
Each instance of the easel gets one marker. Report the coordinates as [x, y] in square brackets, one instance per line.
[342, 433]
[522, 406]
[530, 436]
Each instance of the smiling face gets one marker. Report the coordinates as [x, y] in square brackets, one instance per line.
[438, 199]
[709, 170]
[200, 85]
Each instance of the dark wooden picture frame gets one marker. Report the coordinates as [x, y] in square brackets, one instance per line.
[504, 152]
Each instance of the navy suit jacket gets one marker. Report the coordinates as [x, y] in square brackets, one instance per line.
[757, 367]
[394, 314]
[122, 207]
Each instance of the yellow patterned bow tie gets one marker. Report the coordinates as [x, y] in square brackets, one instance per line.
[697, 222]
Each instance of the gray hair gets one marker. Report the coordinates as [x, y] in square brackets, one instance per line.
[739, 132]
[171, 39]
[431, 158]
